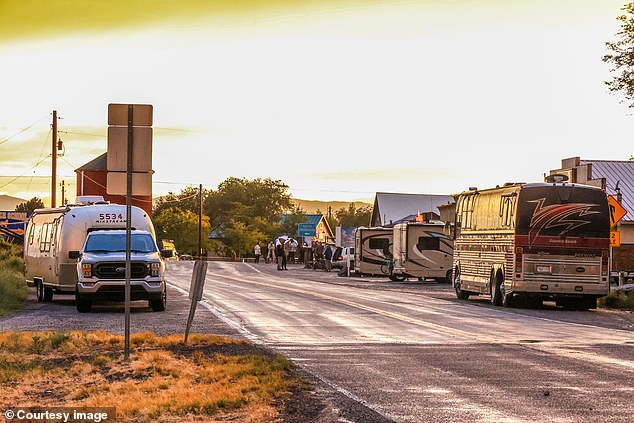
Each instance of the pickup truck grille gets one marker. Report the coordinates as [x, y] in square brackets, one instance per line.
[116, 270]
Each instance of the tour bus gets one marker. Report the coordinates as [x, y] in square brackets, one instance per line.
[422, 250]
[373, 251]
[52, 233]
[533, 242]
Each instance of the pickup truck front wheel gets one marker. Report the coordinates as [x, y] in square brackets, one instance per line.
[159, 304]
[84, 305]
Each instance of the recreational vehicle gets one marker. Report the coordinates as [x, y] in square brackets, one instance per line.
[533, 242]
[52, 233]
[373, 251]
[422, 250]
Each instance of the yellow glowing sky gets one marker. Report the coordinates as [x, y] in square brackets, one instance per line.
[339, 99]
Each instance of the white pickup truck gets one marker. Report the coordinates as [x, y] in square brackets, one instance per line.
[101, 269]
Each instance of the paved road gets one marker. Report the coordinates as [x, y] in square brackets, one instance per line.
[414, 353]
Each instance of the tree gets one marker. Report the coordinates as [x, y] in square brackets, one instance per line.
[353, 216]
[247, 211]
[29, 206]
[188, 199]
[182, 227]
[621, 56]
[291, 220]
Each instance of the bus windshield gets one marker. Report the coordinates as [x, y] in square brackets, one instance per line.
[562, 211]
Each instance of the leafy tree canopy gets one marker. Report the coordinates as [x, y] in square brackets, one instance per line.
[241, 211]
[353, 216]
[29, 206]
[182, 227]
[621, 56]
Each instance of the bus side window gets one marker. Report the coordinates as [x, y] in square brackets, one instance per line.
[466, 211]
[507, 209]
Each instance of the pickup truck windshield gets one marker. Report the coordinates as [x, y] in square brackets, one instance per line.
[110, 242]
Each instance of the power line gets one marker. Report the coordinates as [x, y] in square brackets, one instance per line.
[23, 130]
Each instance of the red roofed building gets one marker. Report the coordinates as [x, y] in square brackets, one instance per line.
[91, 180]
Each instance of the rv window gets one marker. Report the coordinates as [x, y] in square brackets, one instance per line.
[31, 233]
[45, 237]
[428, 243]
[379, 244]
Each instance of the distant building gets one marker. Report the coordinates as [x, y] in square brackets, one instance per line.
[91, 180]
[391, 208]
[617, 179]
[10, 203]
[323, 231]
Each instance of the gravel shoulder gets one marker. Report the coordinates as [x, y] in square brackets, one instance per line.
[322, 404]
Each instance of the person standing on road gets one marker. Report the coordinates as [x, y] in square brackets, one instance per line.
[328, 258]
[270, 253]
[285, 254]
[279, 252]
[257, 251]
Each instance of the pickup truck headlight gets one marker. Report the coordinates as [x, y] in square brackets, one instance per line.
[86, 270]
[155, 269]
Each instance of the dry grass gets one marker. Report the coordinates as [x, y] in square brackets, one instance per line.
[210, 379]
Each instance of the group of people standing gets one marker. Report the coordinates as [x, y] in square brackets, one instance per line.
[280, 251]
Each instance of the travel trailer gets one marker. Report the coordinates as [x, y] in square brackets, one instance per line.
[423, 251]
[373, 251]
[52, 233]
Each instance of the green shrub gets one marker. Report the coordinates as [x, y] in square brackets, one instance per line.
[13, 289]
[620, 300]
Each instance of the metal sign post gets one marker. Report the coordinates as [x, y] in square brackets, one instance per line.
[128, 230]
[120, 146]
[195, 292]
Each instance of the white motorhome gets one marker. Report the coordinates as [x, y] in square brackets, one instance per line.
[52, 233]
[422, 250]
[373, 251]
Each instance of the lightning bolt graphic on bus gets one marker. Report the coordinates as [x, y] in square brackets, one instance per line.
[558, 215]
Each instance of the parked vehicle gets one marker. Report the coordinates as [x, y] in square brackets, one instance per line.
[422, 250]
[52, 232]
[533, 242]
[101, 269]
[373, 251]
[342, 256]
[168, 244]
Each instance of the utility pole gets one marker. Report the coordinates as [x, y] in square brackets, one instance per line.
[200, 221]
[54, 166]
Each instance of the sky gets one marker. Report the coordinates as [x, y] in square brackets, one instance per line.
[337, 99]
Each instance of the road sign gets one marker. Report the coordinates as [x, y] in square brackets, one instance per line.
[306, 229]
[118, 149]
[616, 210]
[129, 137]
[615, 239]
[118, 114]
[116, 183]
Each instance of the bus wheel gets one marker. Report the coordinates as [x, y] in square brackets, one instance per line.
[496, 295]
[507, 299]
[462, 295]
[448, 276]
